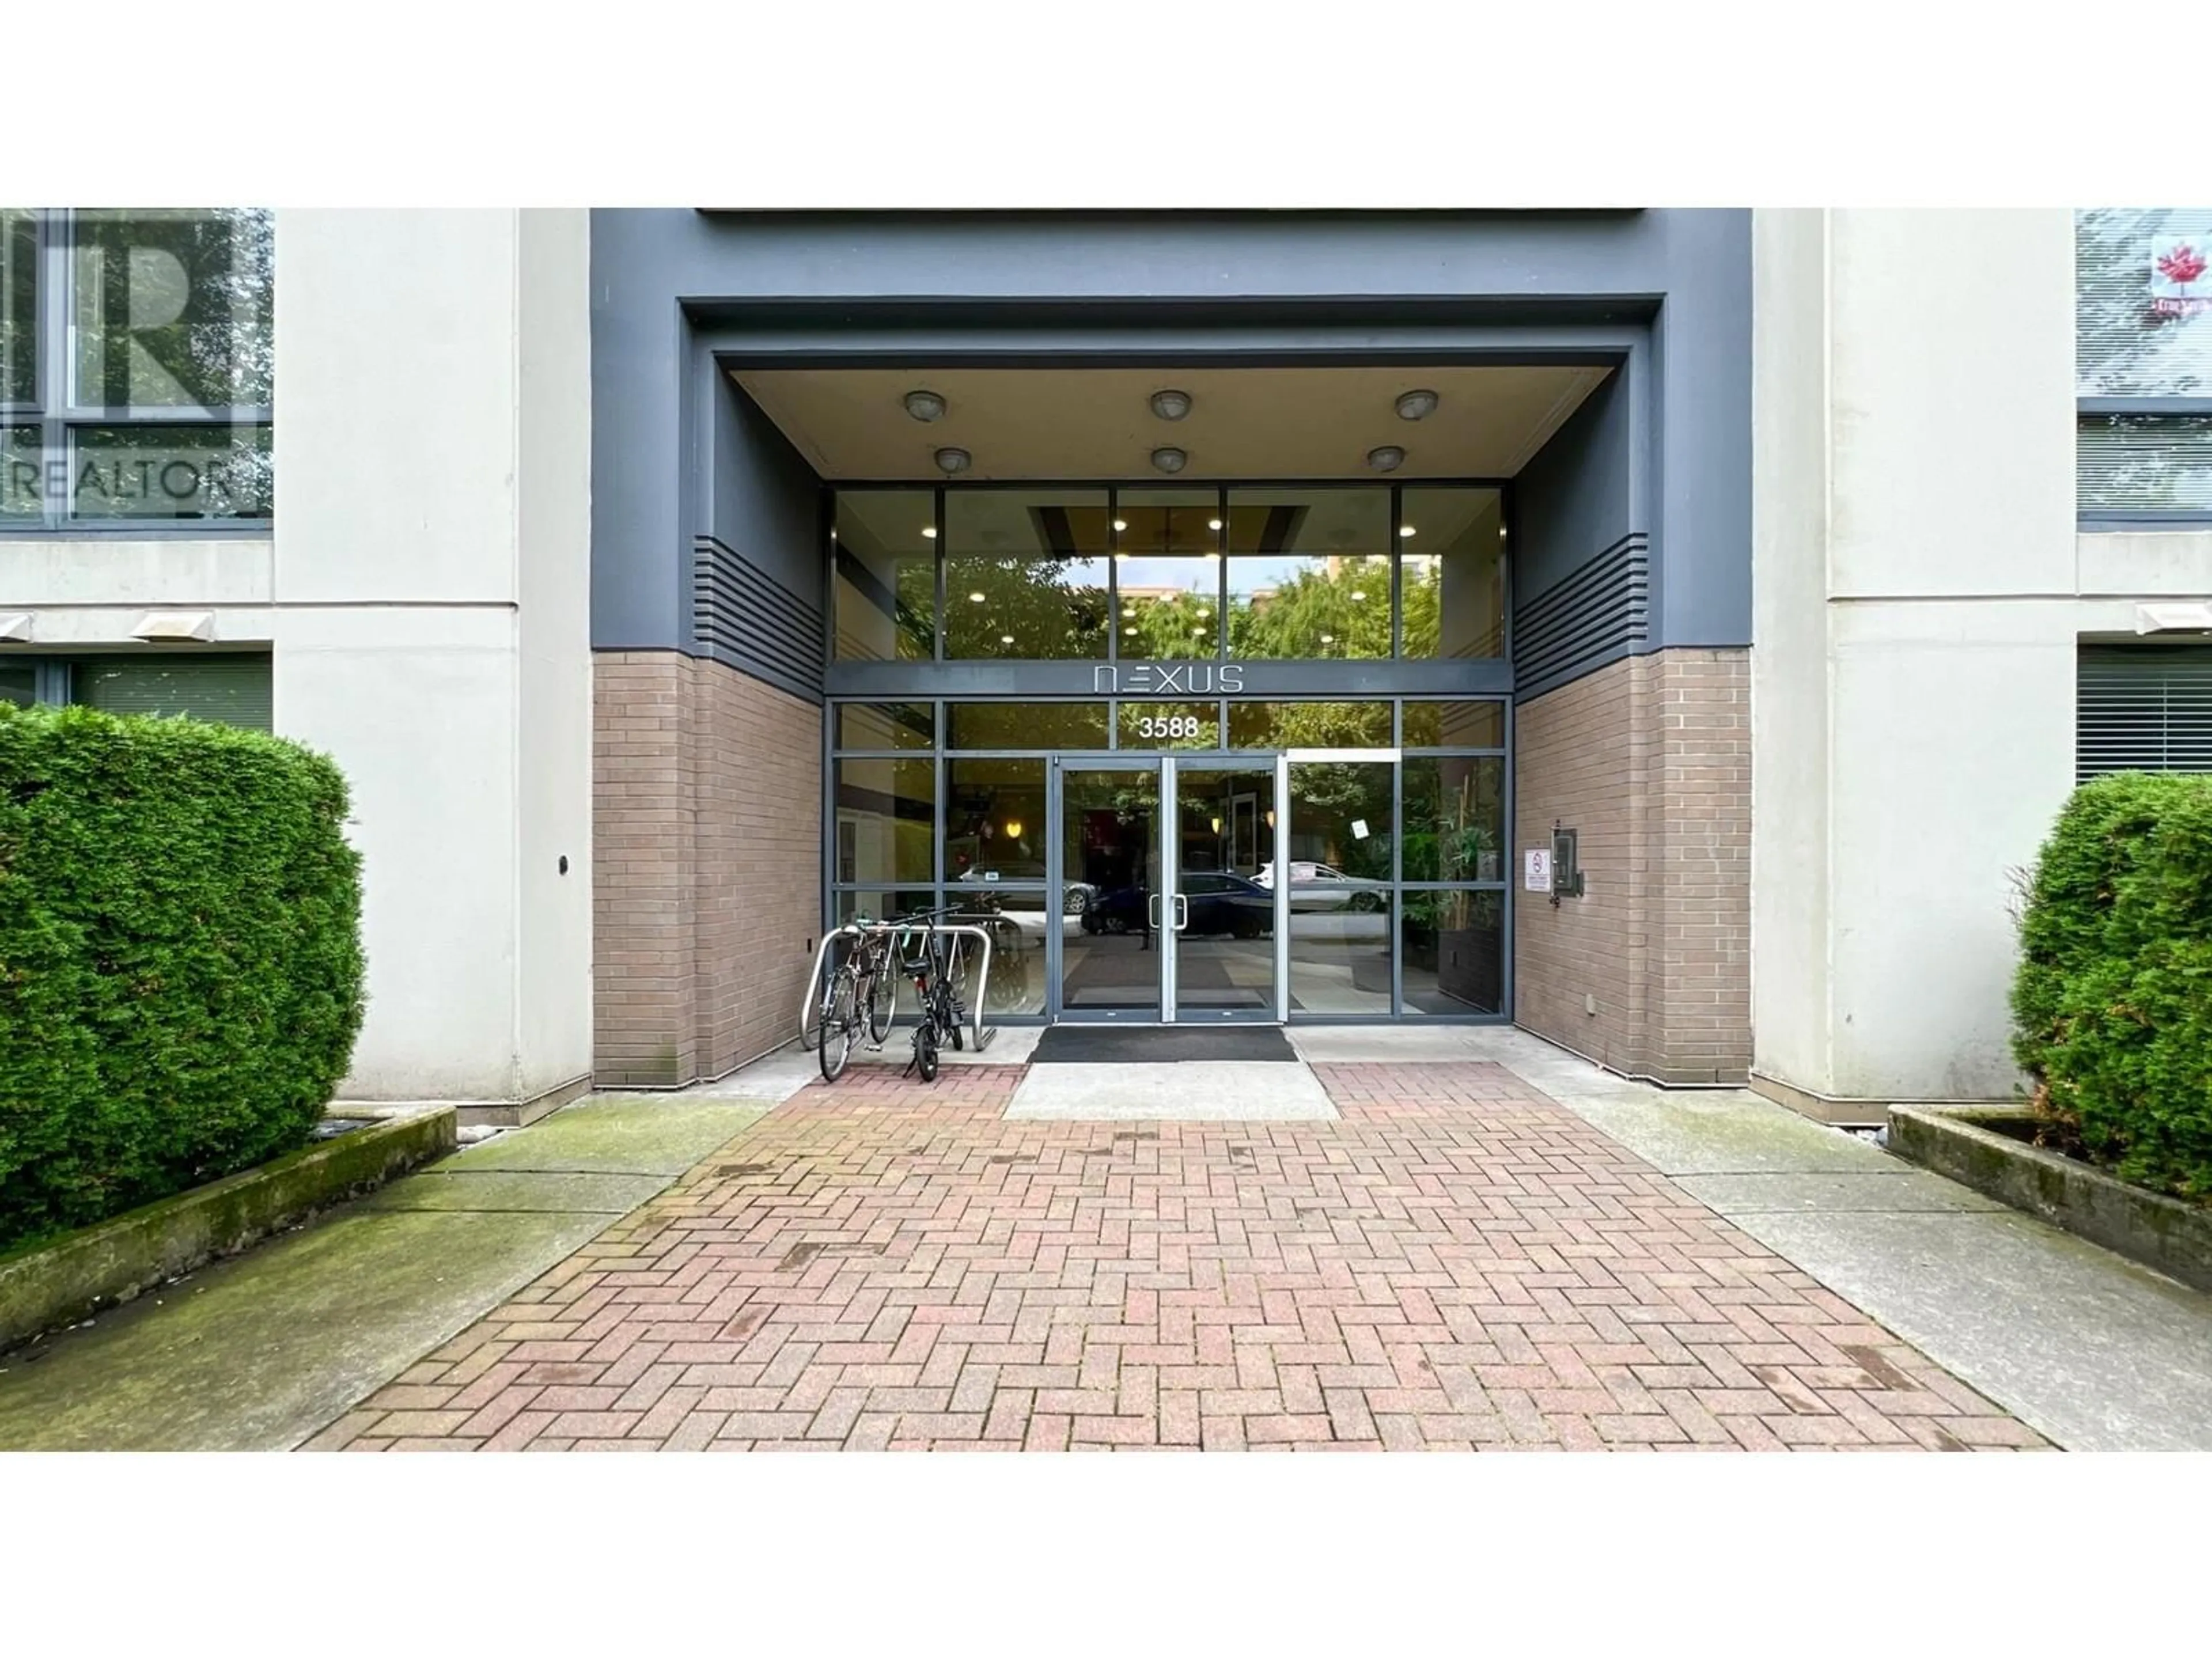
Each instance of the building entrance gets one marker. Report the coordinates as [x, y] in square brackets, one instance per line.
[1169, 866]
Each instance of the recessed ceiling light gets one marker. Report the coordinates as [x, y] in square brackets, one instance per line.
[1404, 530]
[1170, 405]
[1203, 612]
[925, 405]
[1501, 532]
[1171, 459]
[1214, 523]
[1128, 611]
[930, 532]
[1005, 639]
[1358, 594]
[1415, 405]
[1328, 639]
[1128, 630]
[976, 599]
[1386, 457]
[1120, 524]
[953, 460]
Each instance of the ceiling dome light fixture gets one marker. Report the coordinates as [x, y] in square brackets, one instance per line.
[925, 405]
[1404, 530]
[1121, 525]
[1386, 457]
[1170, 405]
[954, 460]
[1169, 460]
[1214, 523]
[976, 599]
[1416, 405]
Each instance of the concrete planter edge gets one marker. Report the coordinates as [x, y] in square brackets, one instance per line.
[54, 1284]
[2163, 1233]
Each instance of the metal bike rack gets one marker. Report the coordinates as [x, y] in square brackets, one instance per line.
[983, 1035]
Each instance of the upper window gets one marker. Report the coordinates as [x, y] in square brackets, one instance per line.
[2142, 296]
[137, 366]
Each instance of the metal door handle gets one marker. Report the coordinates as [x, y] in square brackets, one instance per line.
[1182, 912]
[1152, 911]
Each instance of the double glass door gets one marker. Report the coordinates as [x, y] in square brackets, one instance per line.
[1169, 863]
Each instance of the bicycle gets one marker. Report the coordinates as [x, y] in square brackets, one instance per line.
[862, 982]
[938, 967]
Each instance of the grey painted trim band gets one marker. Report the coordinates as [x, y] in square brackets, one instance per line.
[1381, 677]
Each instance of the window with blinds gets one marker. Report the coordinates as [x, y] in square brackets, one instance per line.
[2135, 463]
[2142, 709]
[233, 688]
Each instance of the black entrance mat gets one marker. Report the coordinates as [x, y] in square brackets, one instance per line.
[1130, 1045]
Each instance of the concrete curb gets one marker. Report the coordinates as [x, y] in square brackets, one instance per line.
[51, 1284]
[2162, 1233]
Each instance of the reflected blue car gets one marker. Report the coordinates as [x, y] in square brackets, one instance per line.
[1217, 902]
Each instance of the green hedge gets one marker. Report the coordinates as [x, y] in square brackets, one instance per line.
[2113, 1004]
[180, 963]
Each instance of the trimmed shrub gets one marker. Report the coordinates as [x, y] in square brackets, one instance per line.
[180, 962]
[2113, 1003]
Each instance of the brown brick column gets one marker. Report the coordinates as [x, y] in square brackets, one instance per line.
[707, 869]
[1649, 759]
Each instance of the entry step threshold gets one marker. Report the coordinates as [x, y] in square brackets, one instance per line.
[1188, 1091]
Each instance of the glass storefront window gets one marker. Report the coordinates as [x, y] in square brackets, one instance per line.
[1453, 942]
[1018, 922]
[886, 725]
[20, 463]
[1338, 845]
[172, 308]
[1308, 573]
[886, 819]
[157, 472]
[1452, 572]
[1170, 725]
[881, 905]
[19, 307]
[994, 821]
[1468, 725]
[884, 601]
[1454, 818]
[1025, 574]
[1167, 559]
[1025, 725]
[1309, 725]
[2141, 279]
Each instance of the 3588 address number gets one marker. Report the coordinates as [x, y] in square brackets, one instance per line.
[1168, 726]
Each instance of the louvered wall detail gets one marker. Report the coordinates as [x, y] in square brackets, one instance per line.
[744, 616]
[1600, 613]
[2145, 708]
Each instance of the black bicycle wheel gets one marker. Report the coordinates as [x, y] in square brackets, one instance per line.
[951, 1020]
[883, 1004]
[839, 1025]
[925, 1051]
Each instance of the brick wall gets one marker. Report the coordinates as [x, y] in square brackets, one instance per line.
[707, 866]
[1649, 759]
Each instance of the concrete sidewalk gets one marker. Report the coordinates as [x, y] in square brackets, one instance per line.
[2097, 1353]
[259, 1353]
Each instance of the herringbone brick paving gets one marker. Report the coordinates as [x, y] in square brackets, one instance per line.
[1458, 1263]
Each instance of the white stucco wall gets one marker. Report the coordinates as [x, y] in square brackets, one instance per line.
[1921, 590]
[430, 586]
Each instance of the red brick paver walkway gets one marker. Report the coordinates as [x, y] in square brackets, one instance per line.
[1458, 1263]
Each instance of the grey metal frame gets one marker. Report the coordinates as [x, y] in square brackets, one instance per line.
[58, 415]
[1115, 757]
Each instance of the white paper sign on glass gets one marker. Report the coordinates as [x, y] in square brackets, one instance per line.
[1537, 875]
[1359, 828]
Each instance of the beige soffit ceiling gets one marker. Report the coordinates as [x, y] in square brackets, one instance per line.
[1063, 424]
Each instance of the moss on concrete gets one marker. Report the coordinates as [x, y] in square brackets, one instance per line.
[2164, 1233]
[45, 1285]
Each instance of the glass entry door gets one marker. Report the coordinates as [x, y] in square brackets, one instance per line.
[1223, 915]
[1112, 954]
[1169, 863]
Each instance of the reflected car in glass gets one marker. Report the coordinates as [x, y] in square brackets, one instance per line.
[1319, 887]
[1215, 902]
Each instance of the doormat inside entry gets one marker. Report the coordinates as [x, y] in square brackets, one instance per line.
[1138, 1045]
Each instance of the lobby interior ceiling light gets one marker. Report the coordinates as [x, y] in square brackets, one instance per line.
[1169, 405]
[1416, 405]
[1121, 525]
[1404, 530]
[1169, 460]
[925, 405]
[951, 460]
[1214, 523]
[1386, 457]
[976, 599]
